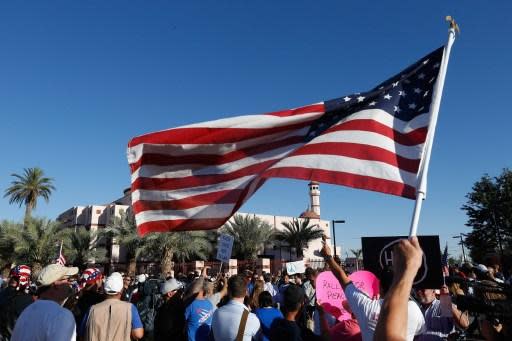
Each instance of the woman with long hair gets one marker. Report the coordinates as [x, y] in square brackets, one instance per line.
[258, 289]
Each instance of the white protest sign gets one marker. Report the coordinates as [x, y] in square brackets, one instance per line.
[295, 267]
[224, 247]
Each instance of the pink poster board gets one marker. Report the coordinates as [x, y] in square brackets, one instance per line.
[331, 295]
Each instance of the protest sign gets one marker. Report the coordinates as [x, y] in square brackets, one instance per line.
[224, 247]
[295, 267]
[330, 294]
[378, 254]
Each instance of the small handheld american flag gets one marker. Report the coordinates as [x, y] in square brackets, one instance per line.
[61, 259]
[444, 261]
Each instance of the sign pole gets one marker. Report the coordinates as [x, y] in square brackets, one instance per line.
[436, 102]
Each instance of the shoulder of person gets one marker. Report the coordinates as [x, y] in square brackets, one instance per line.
[414, 312]
[253, 315]
[351, 291]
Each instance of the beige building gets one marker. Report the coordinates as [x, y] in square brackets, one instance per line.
[94, 217]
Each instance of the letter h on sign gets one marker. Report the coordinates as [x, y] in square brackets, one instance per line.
[388, 257]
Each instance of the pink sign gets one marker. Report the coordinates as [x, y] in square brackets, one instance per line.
[331, 295]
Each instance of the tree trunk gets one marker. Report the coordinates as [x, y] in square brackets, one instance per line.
[299, 251]
[132, 266]
[166, 263]
[36, 269]
[6, 270]
[28, 215]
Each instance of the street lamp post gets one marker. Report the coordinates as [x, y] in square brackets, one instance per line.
[462, 245]
[334, 222]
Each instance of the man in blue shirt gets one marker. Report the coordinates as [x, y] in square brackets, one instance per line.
[227, 319]
[198, 313]
[439, 325]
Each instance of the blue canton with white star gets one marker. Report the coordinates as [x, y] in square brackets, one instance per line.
[404, 96]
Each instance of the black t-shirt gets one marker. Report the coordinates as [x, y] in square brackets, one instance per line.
[87, 299]
[170, 321]
[13, 305]
[283, 329]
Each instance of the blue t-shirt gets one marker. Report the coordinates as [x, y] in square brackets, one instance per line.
[136, 322]
[250, 288]
[266, 317]
[199, 319]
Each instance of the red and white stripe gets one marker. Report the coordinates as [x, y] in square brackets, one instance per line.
[197, 176]
[61, 260]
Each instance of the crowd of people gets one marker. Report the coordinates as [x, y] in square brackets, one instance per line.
[63, 304]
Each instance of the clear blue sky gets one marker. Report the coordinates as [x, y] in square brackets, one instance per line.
[78, 79]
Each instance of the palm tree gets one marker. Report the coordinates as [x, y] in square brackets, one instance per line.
[212, 236]
[250, 235]
[179, 245]
[36, 245]
[81, 246]
[192, 245]
[123, 230]
[298, 233]
[7, 256]
[357, 253]
[26, 188]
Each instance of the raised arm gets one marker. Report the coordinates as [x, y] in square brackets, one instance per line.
[392, 325]
[335, 268]
[224, 291]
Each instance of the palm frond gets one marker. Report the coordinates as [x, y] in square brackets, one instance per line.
[298, 233]
[250, 234]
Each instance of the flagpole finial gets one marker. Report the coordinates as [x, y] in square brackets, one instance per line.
[453, 25]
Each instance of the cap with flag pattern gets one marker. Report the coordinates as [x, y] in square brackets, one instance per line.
[23, 273]
[90, 275]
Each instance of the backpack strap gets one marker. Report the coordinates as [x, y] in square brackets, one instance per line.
[241, 327]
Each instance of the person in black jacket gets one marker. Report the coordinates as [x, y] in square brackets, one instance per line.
[14, 299]
[170, 317]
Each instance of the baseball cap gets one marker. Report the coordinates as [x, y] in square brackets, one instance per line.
[170, 285]
[114, 284]
[22, 273]
[481, 268]
[54, 272]
[90, 275]
[141, 278]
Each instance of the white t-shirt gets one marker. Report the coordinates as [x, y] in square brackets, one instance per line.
[270, 288]
[45, 320]
[367, 312]
[226, 321]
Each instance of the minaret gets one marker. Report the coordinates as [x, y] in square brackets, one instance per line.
[314, 195]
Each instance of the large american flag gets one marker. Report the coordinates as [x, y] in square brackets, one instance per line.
[197, 176]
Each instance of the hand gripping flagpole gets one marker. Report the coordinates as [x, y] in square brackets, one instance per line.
[436, 101]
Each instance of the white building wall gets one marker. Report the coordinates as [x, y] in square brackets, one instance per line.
[94, 218]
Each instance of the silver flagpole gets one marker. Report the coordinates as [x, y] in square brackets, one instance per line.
[436, 101]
